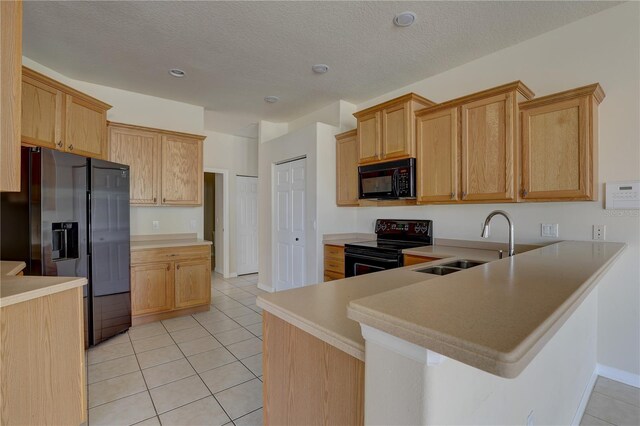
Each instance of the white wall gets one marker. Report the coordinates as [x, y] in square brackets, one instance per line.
[239, 156]
[144, 110]
[338, 114]
[218, 225]
[601, 48]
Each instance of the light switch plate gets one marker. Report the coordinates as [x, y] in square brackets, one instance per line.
[549, 230]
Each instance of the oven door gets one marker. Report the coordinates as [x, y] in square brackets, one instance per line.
[361, 264]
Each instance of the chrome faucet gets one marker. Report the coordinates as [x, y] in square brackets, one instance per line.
[485, 229]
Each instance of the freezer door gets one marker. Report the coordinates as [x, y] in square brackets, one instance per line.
[109, 249]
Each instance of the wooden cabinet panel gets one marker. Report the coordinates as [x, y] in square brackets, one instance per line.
[559, 146]
[181, 172]
[333, 262]
[140, 149]
[41, 114]
[488, 154]
[85, 128]
[396, 132]
[331, 276]
[437, 149]
[347, 191]
[369, 137]
[10, 93]
[192, 283]
[410, 259]
[151, 288]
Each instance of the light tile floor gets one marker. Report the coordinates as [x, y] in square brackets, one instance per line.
[201, 369]
[612, 403]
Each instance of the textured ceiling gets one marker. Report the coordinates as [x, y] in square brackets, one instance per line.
[235, 53]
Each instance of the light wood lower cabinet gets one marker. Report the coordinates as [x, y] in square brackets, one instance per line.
[333, 262]
[307, 381]
[42, 379]
[10, 99]
[169, 282]
[560, 145]
[410, 259]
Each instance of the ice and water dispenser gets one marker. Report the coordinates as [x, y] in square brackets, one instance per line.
[64, 244]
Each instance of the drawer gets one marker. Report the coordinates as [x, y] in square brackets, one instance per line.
[330, 276]
[170, 253]
[334, 252]
[334, 265]
[410, 259]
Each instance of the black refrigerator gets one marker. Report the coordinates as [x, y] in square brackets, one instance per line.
[71, 218]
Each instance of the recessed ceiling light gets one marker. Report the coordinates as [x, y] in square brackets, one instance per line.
[404, 19]
[271, 99]
[176, 72]
[320, 68]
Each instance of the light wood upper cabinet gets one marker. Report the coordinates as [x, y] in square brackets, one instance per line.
[182, 170]
[437, 140]
[151, 288]
[191, 279]
[559, 145]
[59, 117]
[166, 167]
[347, 169]
[86, 128]
[386, 131]
[140, 150]
[10, 99]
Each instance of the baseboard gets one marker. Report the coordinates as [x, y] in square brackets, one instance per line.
[619, 375]
[584, 399]
[265, 288]
[231, 275]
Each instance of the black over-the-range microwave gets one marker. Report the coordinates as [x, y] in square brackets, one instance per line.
[388, 181]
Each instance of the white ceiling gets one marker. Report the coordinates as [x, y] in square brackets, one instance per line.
[235, 53]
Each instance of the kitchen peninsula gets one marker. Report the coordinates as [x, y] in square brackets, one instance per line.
[497, 318]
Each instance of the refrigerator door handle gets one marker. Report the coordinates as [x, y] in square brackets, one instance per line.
[89, 240]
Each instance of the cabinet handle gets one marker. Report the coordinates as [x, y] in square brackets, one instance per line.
[524, 192]
[453, 195]
[168, 267]
[71, 147]
[164, 200]
[177, 266]
[154, 199]
[464, 195]
[59, 144]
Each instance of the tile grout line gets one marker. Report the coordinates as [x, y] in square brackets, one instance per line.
[153, 404]
[615, 399]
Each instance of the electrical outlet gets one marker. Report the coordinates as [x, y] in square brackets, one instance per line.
[599, 232]
[155, 225]
[530, 419]
[549, 230]
[192, 224]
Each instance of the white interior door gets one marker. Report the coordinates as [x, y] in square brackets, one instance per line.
[247, 224]
[290, 197]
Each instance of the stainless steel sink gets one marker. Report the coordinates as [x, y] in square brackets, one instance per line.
[438, 270]
[463, 264]
[450, 268]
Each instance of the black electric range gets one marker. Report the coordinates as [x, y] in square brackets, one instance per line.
[385, 252]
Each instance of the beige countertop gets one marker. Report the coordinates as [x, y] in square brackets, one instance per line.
[145, 242]
[17, 289]
[497, 316]
[11, 267]
[321, 309]
[342, 239]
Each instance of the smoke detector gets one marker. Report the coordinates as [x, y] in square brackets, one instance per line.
[271, 99]
[404, 19]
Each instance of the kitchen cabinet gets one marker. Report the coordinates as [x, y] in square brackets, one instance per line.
[140, 149]
[438, 169]
[411, 259]
[559, 145]
[59, 117]
[166, 167]
[169, 281]
[333, 262]
[10, 98]
[347, 169]
[387, 131]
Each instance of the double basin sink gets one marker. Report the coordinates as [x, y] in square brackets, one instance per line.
[450, 268]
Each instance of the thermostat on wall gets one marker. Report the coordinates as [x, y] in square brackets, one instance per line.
[623, 195]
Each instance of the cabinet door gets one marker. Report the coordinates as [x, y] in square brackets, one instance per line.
[41, 114]
[10, 79]
[396, 132]
[347, 171]
[85, 128]
[193, 283]
[556, 151]
[151, 288]
[437, 162]
[181, 172]
[139, 149]
[488, 149]
[369, 137]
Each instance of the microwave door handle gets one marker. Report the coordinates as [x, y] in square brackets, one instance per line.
[396, 186]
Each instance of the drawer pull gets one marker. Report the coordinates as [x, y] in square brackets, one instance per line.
[168, 267]
[71, 147]
[59, 144]
[177, 266]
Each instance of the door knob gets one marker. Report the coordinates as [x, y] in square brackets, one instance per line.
[297, 239]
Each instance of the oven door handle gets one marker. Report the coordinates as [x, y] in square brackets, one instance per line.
[377, 259]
